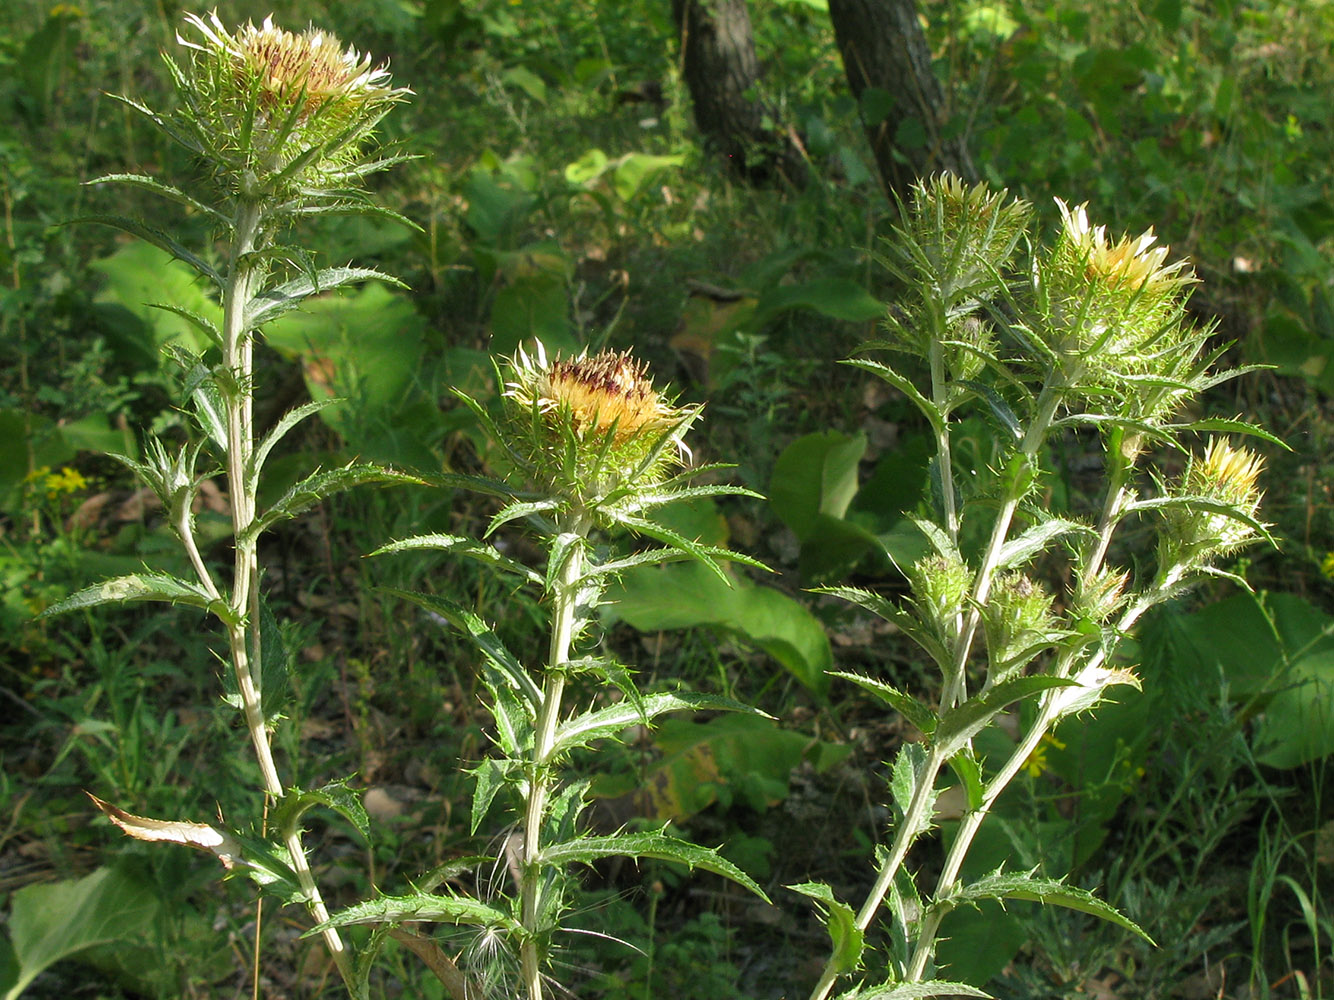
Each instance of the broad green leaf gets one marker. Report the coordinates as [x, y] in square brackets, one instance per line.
[50, 921]
[586, 850]
[147, 586]
[815, 474]
[274, 302]
[686, 596]
[1000, 885]
[607, 723]
[835, 297]
[419, 906]
[841, 923]
[918, 714]
[320, 485]
[467, 547]
[635, 170]
[336, 795]
[482, 635]
[957, 727]
[588, 168]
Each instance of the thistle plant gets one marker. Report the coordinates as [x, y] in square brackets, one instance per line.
[283, 127]
[1092, 336]
[591, 449]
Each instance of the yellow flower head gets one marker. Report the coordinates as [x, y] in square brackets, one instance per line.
[1222, 475]
[1116, 305]
[259, 98]
[312, 66]
[591, 424]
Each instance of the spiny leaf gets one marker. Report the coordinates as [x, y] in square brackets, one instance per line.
[156, 237]
[606, 723]
[1219, 424]
[1000, 886]
[147, 586]
[320, 485]
[482, 635]
[274, 302]
[928, 409]
[701, 553]
[910, 708]
[648, 845]
[468, 547]
[202, 323]
[419, 906]
[970, 718]
[1024, 547]
[285, 423]
[514, 511]
[336, 795]
[157, 187]
[915, 991]
[848, 939]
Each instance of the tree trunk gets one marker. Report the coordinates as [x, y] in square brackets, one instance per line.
[722, 73]
[888, 65]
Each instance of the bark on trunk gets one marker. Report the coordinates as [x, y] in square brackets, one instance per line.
[722, 74]
[884, 51]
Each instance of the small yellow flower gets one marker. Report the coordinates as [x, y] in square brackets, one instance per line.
[1327, 565]
[1036, 764]
[67, 480]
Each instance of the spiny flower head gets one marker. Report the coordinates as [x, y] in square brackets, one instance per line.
[1016, 620]
[1223, 476]
[262, 97]
[962, 237]
[585, 426]
[1115, 305]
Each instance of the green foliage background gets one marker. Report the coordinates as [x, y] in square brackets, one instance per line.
[564, 194]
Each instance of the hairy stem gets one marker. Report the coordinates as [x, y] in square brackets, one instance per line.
[540, 778]
[244, 637]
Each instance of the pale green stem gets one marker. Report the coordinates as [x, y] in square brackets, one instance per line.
[244, 637]
[1045, 412]
[540, 778]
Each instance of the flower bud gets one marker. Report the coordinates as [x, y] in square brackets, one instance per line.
[1016, 620]
[1223, 476]
[940, 587]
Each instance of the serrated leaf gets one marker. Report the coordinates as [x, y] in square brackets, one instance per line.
[969, 772]
[1222, 425]
[915, 991]
[482, 635]
[478, 484]
[904, 777]
[420, 906]
[489, 777]
[165, 190]
[1000, 886]
[998, 406]
[285, 423]
[201, 323]
[1204, 504]
[660, 532]
[200, 836]
[910, 708]
[336, 795]
[514, 511]
[848, 939]
[927, 408]
[273, 302]
[319, 486]
[468, 547]
[1029, 543]
[586, 850]
[963, 723]
[606, 723]
[156, 237]
[147, 586]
